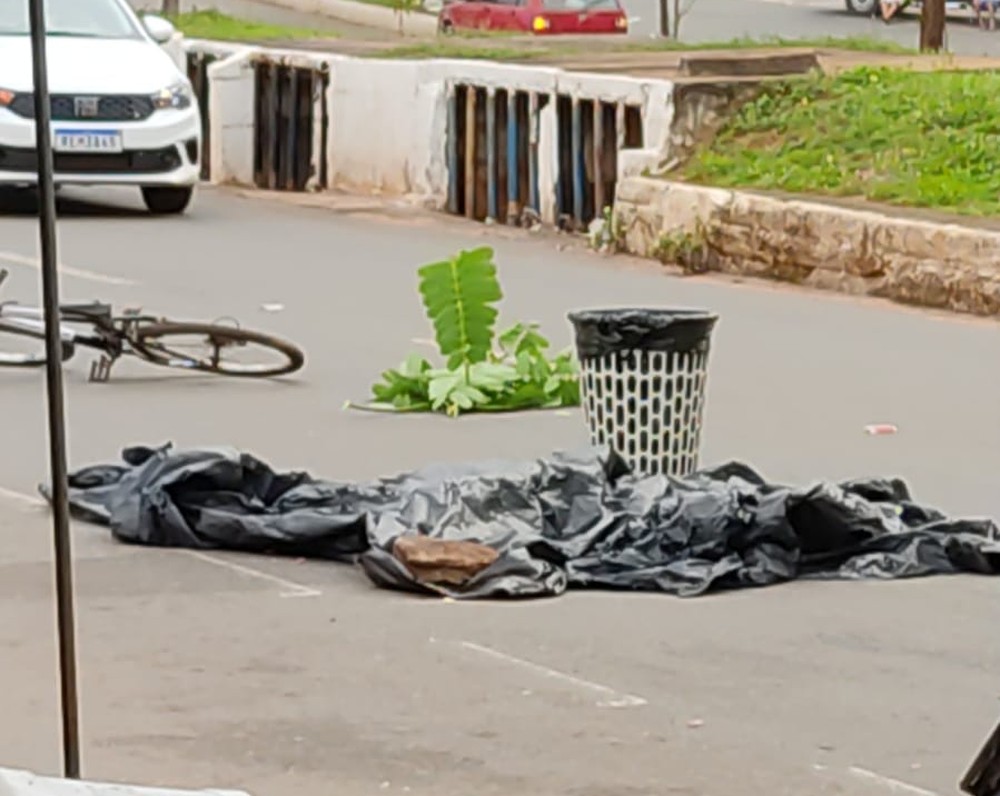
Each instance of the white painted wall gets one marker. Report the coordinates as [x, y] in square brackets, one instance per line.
[388, 119]
[387, 128]
[231, 111]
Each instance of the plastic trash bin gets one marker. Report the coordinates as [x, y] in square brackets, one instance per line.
[643, 374]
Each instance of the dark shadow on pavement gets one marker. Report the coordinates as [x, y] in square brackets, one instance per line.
[166, 376]
[24, 202]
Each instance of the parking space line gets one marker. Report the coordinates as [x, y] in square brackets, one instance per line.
[31, 262]
[611, 697]
[889, 783]
[22, 499]
[289, 588]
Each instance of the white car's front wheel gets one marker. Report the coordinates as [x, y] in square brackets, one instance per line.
[167, 201]
[866, 8]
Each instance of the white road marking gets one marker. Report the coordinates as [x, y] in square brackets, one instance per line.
[31, 262]
[889, 783]
[424, 341]
[289, 588]
[612, 698]
[21, 499]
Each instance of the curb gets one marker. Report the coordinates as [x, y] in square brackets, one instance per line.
[803, 240]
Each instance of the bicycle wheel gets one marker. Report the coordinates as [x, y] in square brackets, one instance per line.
[172, 345]
[27, 359]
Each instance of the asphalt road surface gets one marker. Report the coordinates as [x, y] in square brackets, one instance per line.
[723, 20]
[705, 21]
[298, 677]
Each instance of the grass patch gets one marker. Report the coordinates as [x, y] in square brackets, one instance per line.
[458, 50]
[918, 139]
[478, 46]
[853, 43]
[222, 27]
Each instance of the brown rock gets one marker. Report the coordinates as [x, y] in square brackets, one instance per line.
[443, 561]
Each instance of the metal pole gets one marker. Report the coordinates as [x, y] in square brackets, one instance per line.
[54, 384]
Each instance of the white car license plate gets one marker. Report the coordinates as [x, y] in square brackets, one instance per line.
[88, 141]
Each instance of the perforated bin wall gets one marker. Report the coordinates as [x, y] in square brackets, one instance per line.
[643, 375]
[647, 405]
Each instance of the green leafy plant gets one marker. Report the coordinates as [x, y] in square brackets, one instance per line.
[483, 371]
[688, 249]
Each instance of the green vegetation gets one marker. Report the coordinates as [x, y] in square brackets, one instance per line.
[478, 46]
[923, 139]
[854, 43]
[483, 372]
[448, 49]
[222, 27]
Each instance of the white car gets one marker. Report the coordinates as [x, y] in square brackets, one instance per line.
[123, 113]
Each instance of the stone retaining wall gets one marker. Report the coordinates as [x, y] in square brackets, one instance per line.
[913, 261]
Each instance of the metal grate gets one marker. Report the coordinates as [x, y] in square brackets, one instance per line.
[647, 405]
[83, 108]
[197, 71]
[287, 99]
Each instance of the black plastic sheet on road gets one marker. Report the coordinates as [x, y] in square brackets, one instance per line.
[564, 521]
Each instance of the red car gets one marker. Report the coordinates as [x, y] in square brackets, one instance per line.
[534, 16]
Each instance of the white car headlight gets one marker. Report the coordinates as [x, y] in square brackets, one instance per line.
[178, 96]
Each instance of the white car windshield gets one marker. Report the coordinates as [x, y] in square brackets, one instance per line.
[99, 19]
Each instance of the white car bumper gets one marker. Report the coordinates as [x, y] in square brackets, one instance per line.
[163, 149]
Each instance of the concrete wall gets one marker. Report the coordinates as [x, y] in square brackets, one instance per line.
[388, 119]
[857, 251]
[387, 127]
[230, 109]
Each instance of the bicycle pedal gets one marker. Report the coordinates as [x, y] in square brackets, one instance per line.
[100, 370]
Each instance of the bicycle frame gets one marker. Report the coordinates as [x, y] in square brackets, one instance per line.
[146, 337]
[31, 321]
[109, 337]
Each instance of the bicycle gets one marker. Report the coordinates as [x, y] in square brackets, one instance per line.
[143, 336]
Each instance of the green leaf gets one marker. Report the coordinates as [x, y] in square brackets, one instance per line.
[552, 384]
[458, 296]
[441, 386]
[480, 373]
[415, 366]
[491, 376]
[509, 339]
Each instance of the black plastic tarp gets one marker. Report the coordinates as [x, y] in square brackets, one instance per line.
[570, 520]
